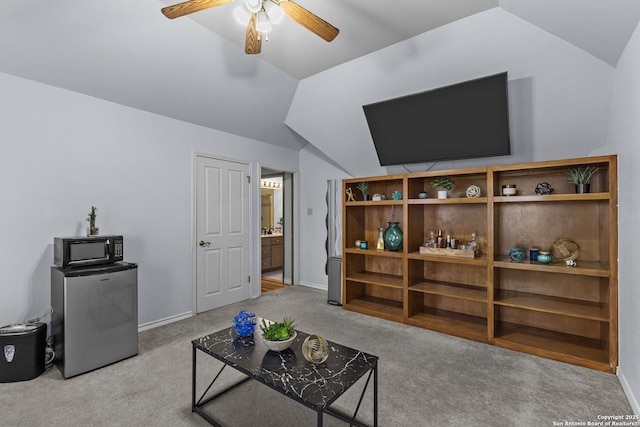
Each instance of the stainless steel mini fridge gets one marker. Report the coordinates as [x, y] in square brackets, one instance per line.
[95, 316]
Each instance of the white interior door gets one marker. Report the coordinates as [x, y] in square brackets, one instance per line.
[222, 232]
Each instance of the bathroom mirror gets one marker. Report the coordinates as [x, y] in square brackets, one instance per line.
[266, 208]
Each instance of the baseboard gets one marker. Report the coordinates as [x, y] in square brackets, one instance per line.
[166, 321]
[313, 285]
[635, 407]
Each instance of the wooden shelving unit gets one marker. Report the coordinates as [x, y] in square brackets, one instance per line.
[549, 310]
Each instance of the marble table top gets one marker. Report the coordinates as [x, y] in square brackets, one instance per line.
[315, 385]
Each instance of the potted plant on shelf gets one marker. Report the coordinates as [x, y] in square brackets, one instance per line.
[364, 188]
[278, 336]
[93, 230]
[444, 184]
[581, 177]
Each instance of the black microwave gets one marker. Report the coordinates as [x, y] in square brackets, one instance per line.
[83, 251]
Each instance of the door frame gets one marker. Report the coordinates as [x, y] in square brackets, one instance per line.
[253, 209]
[295, 238]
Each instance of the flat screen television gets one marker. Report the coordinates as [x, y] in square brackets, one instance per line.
[461, 121]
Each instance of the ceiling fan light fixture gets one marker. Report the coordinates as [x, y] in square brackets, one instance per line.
[274, 11]
[242, 14]
[262, 23]
[253, 6]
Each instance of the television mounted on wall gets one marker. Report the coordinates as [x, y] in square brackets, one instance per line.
[461, 121]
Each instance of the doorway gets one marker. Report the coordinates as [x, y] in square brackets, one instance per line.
[276, 229]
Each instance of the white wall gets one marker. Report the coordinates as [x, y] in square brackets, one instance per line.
[560, 107]
[62, 152]
[623, 138]
[559, 95]
[316, 170]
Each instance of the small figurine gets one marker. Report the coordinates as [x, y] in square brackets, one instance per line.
[350, 197]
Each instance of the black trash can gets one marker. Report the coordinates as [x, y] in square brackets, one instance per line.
[22, 350]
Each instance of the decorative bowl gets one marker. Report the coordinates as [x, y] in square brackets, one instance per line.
[279, 345]
[544, 257]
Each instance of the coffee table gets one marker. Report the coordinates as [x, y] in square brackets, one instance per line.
[316, 386]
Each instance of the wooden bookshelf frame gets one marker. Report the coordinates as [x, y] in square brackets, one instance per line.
[551, 310]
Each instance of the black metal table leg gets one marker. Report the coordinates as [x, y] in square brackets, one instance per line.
[375, 395]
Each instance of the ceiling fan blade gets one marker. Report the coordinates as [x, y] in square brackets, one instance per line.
[191, 6]
[308, 20]
[253, 43]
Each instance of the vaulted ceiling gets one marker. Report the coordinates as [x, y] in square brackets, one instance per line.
[194, 68]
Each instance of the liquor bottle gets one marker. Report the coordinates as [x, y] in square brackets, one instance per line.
[440, 240]
[448, 244]
[473, 243]
[431, 243]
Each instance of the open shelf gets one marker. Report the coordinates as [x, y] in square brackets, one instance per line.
[374, 252]
[585, 268]
[374, 203]
[586, 352]
[452, 323]
[480, 261]
[378, 307]
[554, 305]
[450, 290]
[379, 279]
[449, 201]
[552, 198]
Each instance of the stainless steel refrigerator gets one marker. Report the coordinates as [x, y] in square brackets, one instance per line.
[95, 316]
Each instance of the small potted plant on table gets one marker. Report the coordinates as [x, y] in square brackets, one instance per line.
[278, 336]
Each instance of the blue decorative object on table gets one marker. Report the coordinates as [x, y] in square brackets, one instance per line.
[396, 195]
[517, 254]
[243, 323]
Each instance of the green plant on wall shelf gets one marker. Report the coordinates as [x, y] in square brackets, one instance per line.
[443, 182]
[364, 188]
[581, 175]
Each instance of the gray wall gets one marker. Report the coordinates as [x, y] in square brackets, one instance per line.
[559, 95]
[560, 106]
[63, 152]
[623, 139]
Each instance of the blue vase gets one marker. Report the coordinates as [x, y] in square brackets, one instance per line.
[393, 237]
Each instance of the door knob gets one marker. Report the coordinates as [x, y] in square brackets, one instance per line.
[204, 244]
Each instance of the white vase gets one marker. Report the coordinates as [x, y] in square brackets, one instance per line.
[442, 194]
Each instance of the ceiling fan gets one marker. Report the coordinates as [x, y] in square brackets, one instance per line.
[258, 16]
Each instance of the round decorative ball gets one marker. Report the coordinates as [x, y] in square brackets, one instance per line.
[517, 254]
[315, 349]
[473, 191]
[565, 250]
[422, 195]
